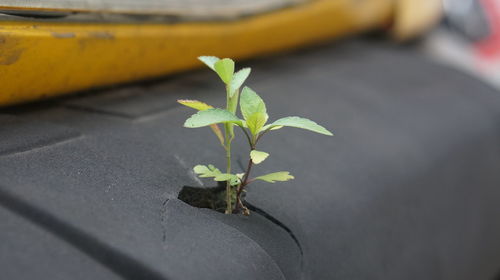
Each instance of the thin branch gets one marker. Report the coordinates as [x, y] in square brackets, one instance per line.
[250, 181]
[252, 141]
[246, 134]
[241, 187]
[261, 134]
[247, 173]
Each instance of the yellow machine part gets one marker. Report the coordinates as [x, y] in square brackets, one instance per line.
[45, 59]
[412, 17]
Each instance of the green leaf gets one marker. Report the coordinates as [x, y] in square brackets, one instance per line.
[201, 106]
[256, 121]
[233, 179]
[212, 167]
[195, 104]
[253, 110]
[223, 177]
[238, 80]
[298, 123]
[258, 156]
[251, 103]
[209, 61]
[206, 171]
[200, 169]
[225, 69]
[277, 176]
[211, 116]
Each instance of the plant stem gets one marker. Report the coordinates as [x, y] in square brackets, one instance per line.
[245, 181]
[247, 135]
[247, 173]
[259, 136]
[242, 186]
[229, 208]
[231, 105]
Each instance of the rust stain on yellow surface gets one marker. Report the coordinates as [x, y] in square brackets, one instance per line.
[10, 50]
[63, 35]
[39, 60]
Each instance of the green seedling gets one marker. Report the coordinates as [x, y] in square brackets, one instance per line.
[254, 125]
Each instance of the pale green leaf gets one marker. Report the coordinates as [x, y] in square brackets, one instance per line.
[201, 106]
[225, 69]
[258, 156]
[209, 61]
[251, 103]
[213, 168]
[206, 171]
[276, 127]
[200, 169]
[238, 80]
[270, 126]
[277, 176]
[233, 179]
[211, 116]
[253, 110]
[256, 121]
[223, 177]
[195, 104]
[298, 122]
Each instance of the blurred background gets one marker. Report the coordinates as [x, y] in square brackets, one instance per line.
[468, 37]
[90, 44]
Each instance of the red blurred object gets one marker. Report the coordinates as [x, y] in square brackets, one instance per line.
[489, 48]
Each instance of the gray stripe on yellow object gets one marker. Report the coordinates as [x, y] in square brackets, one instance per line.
[185, 8]
[41, 59]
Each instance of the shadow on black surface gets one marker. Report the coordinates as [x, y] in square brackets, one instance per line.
[119, 263]
[214, 198]
[209, 198]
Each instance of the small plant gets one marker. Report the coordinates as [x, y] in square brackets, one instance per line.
[253, 125]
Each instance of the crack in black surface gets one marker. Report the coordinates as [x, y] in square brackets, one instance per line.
[39, 145]
[99, 111]
[118, 262]
[200, 197]
[276, 222]
[123, 114]
[163, 219]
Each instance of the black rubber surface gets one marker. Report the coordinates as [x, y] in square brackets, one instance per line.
[409, 187]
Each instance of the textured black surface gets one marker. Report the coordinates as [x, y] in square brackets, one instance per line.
[29, 252]
[407, 189]
[20, 135]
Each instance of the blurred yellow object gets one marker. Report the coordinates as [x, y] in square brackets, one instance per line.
[412, 17]
[45, 59]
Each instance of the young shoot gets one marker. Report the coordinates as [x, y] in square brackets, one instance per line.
[253, 124]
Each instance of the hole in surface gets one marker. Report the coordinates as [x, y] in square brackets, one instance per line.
[205, 197]
[215, 198]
